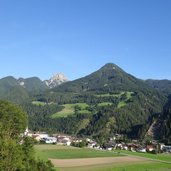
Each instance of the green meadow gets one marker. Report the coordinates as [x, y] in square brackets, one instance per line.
[66, 152]
[155, 162]
[122, 103]
[38, 103]
[105, 104]
[161, 157]
[117, 95]
[69, 109]
[82, 108]
[151, 166]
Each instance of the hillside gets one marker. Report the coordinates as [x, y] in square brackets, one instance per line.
[6, 84]
[32, 84]
[99, 105]
[109, 78]
[166, 122]
[12, 91]
[115, 102]
[162, 85]
[19, 90]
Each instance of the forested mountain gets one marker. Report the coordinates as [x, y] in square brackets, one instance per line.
[162, 85]
[6, 84]
[19, 90]
[11, 90]
[109, 78]
[99, 105]
[32, 84]
[56, 80]
[166, 122]
[107, 101]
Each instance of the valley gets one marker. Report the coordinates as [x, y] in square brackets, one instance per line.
[99, 105]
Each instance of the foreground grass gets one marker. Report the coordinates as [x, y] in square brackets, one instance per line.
[153, 166]
[63, 152]
[162, 157]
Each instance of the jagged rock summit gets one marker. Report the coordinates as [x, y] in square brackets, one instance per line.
[56, 80]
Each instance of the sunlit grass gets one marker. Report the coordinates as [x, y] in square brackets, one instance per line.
[65, 152]
[69, 109]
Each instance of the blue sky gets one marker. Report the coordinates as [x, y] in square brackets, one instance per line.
[77, 37]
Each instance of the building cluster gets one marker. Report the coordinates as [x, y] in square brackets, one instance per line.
[112, 144]
[134, 146]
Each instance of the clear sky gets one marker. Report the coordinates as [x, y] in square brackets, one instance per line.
[77, 37]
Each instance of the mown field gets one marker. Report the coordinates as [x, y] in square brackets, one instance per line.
[66, 152]
[75, 159]
[146, 166]
[161, 157]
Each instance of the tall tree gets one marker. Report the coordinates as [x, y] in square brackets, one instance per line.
[16, 151]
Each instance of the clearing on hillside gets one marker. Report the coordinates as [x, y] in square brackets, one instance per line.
[69, 109]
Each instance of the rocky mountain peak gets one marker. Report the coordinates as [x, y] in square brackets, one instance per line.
[56, 80]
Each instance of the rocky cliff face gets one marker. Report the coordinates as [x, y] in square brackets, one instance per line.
[56, 80]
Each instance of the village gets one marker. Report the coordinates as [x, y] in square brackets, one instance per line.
[114, 143]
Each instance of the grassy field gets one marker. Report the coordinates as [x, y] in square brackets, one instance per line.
[151, 166]
[68, 154]
[162, 157]
[104, 104]
[128, 96]
[107, 95]
[146, 166]
[64, 152]
[70, 108]
[38, 103]
[117, 95]
[121, 104]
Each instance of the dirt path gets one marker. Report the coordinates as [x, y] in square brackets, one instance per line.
[96, 161]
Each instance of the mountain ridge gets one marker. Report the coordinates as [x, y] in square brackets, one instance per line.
[108, 77]
[115, 101]
[24, 87]
[113, 97]
[163, 85]
[55, 80]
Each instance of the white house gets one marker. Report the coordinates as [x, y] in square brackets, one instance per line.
[50, 140]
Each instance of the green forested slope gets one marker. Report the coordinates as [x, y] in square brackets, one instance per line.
[162, 85]
[166, 122]
[116, 103]
[11, 89]
[109, 78]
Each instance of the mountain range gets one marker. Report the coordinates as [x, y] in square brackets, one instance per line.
[99, 105]
[17, 90]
